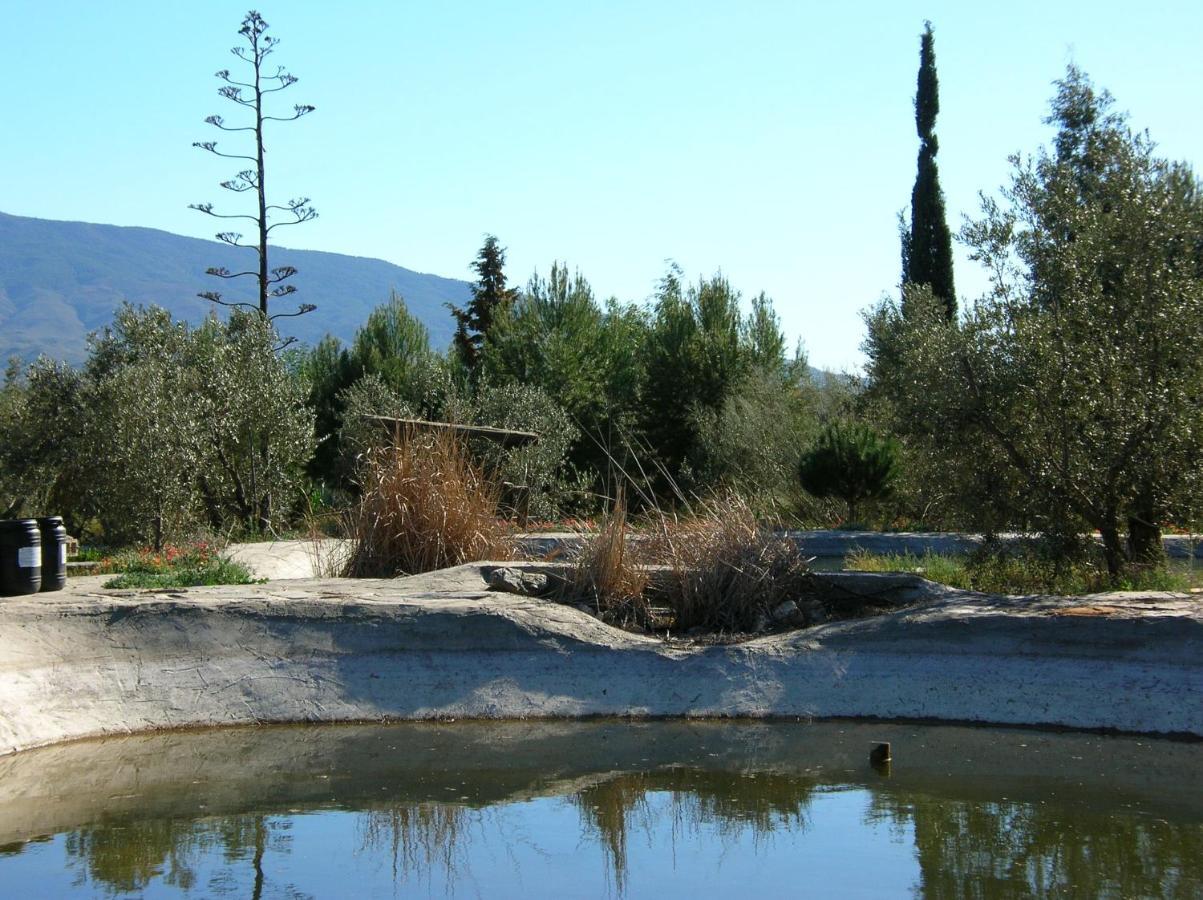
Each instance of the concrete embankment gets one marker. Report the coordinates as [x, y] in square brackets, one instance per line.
[321, 558]
[89, 662]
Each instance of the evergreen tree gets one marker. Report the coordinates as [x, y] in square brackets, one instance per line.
[927, 244]
[489, 296]
[852, 462]
[584, 355]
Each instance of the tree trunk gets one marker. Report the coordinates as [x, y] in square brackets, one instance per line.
[1113, 550]
[212, 507]
[1144, 540]
[265, 502]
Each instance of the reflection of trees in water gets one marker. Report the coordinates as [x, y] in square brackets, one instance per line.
[964, 847]
[418, 836]
[971, 848]
[730, 802]
[127, 856]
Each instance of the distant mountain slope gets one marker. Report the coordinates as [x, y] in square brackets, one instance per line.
[61, 280]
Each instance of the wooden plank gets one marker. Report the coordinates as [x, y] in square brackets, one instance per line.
[503, 436]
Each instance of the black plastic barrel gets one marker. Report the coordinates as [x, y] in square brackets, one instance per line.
[20, 557]
[54, 553]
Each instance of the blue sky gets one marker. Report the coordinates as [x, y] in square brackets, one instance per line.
[772, 140]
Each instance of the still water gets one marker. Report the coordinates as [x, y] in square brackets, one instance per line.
[597, 809]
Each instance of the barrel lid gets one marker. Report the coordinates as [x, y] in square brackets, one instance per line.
[50, 520]
[15, 524]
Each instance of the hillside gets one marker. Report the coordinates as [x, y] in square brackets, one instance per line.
[61, 280]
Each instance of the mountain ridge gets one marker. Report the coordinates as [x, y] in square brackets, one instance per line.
[61, 280]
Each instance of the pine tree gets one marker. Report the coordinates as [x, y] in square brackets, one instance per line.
[489, 296]
[927, 244]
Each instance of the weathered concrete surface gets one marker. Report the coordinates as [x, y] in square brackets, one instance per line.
[279, 560]
[835, 543]
[317, 559]
[91, 662]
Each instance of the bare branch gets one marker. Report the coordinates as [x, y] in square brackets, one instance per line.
[207, 208]
[300, 111]
[286, 82]
[235, 93]
[219, 123]
[244, 181]
[300, 311]
[272, 227]
[211, 146]
[224, 75]
[223, 272]
[280, 273]
[216, 298]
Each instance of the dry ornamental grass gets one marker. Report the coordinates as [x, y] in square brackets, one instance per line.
[716, 568]
[723, 570]
[606, 573]
[425, 505]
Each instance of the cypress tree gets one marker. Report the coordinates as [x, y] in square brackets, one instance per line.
[927, 244]
[489, 296]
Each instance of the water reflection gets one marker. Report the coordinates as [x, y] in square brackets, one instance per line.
[128, 857]
[984, 849]
[669, 808]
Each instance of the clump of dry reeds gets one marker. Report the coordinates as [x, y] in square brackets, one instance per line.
[424, 505]
[715, 566]
[721, 570]
[605, 573]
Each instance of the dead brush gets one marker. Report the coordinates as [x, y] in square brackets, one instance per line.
[425, 505]
[719, 569]
[606, 575]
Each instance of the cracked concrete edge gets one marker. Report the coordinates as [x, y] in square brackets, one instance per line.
[91, 662]
[289, 559]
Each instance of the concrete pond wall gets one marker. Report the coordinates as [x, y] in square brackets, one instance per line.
[315, 559]
[88, 662]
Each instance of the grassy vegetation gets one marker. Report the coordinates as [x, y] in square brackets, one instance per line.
[1021, 570]
[425, 505]
[724, 568]
[606, 573]
[189, 565]
[715, 567]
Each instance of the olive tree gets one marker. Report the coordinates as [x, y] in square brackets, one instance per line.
[157, 433]
[41, 410]
[1074, 382]
[244, 396]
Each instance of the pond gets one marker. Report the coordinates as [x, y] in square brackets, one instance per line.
[603, 808]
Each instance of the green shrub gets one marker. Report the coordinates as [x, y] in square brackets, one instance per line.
[850, 461]
[188, 565]
[1021, 568]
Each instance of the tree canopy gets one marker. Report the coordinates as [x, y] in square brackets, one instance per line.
[1069, 394]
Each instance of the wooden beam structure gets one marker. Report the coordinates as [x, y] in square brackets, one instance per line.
[504, 436]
